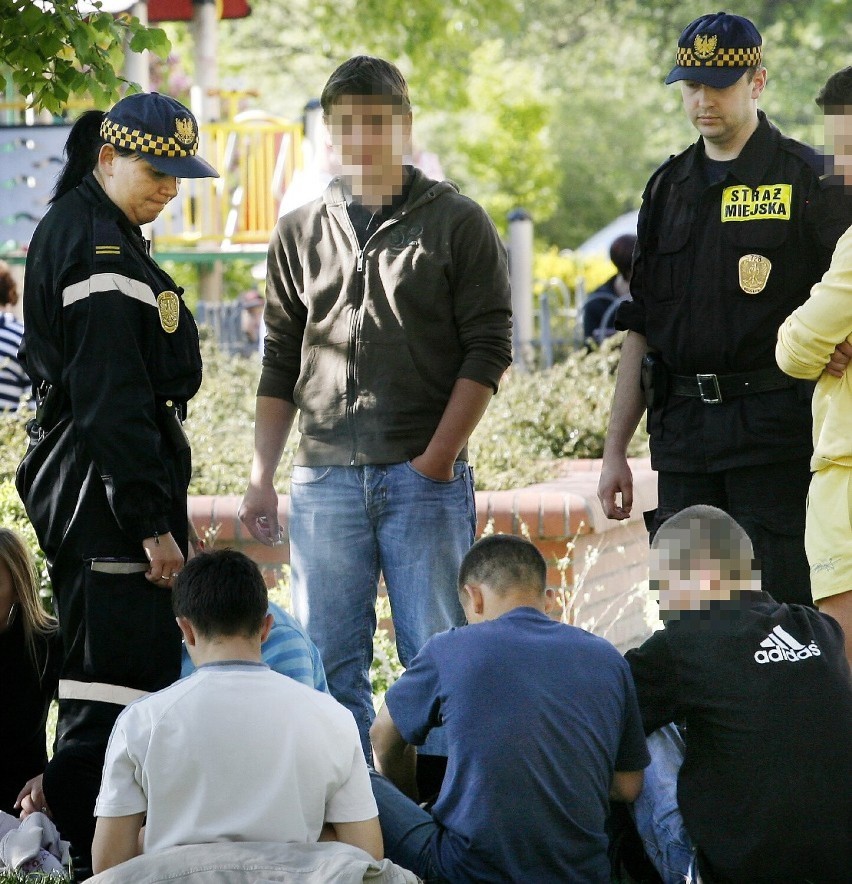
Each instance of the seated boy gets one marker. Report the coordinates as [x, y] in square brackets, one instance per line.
[543, 729]
[763, 793]
[234, 752]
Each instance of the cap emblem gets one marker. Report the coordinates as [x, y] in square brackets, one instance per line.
[704, 46]
[184, 130]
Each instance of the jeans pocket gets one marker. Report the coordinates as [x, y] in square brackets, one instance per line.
[131, 637]
[302, 475]
[459, 469]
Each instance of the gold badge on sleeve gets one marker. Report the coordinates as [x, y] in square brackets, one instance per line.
[754, 271]
[168, 305]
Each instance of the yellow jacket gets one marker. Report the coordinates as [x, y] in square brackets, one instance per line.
[806, 341]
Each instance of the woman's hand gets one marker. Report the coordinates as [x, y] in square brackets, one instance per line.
[165, 557]
[31, 798]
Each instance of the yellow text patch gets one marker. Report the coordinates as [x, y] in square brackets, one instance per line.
[764, 203]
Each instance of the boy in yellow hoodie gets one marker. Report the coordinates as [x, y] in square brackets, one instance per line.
[816, 342]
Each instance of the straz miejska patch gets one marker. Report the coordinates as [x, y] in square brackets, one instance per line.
[765, 203]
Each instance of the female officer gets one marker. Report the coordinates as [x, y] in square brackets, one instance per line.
[113, 354]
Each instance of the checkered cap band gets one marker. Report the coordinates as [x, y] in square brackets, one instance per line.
[134, 139]
[723, 58]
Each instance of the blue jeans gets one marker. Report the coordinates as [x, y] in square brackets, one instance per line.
[656, 812]
[407, 830]
[347, 525]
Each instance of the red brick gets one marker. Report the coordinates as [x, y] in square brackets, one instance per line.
[552, 519]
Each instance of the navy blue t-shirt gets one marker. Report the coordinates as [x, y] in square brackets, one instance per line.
[538, 715]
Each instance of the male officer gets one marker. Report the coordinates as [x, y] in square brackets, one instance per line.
[388, 328]
[733, 232]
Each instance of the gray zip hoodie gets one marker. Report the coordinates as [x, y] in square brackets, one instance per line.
[368, 343]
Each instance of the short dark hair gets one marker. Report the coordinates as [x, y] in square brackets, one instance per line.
[621, 253]
[704, 533]
[221, 593]
[836, 96]
[366, 75]
[504, 562]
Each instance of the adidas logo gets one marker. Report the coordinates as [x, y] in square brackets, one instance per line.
[782, 646]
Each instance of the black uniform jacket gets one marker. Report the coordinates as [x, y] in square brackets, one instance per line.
[104, 324]
[765, 692]
[699, 302]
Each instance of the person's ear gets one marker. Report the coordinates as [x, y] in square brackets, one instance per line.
[476, 600]
[268, 623]
[758, 84]
[106, 158]
[549, 599]
[186, 628]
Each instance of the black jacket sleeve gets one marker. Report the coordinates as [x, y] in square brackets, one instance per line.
[655, 676]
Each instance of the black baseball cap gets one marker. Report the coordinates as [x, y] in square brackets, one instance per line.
[716, 50]
[160, 129]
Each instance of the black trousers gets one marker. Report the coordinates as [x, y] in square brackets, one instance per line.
[116, 629]
[768, 500]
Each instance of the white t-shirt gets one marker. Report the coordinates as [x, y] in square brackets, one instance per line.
[235, 752]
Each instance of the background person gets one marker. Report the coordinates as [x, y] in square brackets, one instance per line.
[29, 664]
[760, 791]
[113, 352]
[807, 343]
[234, 752]
[733, 232]
[542, 726]
[602, 304]
[388, 329]
[14, 381]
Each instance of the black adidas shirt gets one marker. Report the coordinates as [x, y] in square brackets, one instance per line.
[765, 692]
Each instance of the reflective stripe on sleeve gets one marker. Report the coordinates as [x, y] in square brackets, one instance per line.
[98, 692]
[108, 282]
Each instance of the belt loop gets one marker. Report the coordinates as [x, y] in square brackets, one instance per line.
[713, 396]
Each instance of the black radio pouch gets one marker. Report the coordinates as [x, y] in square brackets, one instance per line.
[654, 380]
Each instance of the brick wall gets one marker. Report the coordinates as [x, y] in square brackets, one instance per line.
[604, 563]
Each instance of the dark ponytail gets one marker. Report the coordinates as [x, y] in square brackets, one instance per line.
[81, 152]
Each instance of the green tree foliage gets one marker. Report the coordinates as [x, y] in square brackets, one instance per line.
[54, 53]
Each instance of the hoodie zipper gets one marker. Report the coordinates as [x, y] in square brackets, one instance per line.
[354, 325]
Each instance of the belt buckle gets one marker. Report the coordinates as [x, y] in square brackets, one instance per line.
[708, 389]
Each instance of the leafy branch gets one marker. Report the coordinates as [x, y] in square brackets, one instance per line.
[54, 53]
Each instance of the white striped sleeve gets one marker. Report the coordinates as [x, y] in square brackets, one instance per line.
[108, 282]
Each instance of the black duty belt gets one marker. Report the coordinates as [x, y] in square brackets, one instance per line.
[715, 388]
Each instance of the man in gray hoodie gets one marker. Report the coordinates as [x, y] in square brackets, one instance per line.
[388, 328]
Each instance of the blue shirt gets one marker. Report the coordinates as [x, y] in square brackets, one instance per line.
[538, 716]
[287, 650]
[14, 381]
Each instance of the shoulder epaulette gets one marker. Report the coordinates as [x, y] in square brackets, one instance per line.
[807, 154]
[106, 240]
[663, 167]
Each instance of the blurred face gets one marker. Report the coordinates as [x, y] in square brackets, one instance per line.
[838, 142]
[685, 581]
[8, 596]
[724, 117]
[134, 185]
[370, 136]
